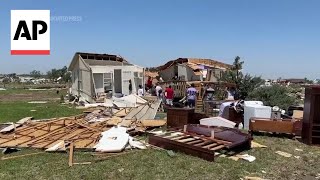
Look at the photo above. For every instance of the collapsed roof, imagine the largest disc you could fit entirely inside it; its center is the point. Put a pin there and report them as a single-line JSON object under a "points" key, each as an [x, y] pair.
{"points": [[103, 57], [93, 59], [193, 63]]}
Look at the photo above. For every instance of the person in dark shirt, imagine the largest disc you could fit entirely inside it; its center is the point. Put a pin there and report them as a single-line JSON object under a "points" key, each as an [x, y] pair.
{"points": [[130, 87]]}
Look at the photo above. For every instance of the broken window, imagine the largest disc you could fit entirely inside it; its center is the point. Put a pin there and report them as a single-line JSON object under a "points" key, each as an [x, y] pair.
{"points": [[135, 74]]}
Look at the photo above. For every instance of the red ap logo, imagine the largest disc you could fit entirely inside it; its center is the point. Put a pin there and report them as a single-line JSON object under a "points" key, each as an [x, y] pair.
{"points": [[30, 32]]}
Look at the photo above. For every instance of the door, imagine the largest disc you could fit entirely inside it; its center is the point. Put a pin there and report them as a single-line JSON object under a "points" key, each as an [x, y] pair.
{"points": [[98, 81], [117, 81]]}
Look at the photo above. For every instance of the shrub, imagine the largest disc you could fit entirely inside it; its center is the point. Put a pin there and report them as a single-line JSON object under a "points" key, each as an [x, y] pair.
{"points": [[275, 95]]}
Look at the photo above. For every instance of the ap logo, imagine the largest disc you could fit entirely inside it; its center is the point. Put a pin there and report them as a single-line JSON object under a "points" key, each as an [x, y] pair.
{"points": [[30, 32]]}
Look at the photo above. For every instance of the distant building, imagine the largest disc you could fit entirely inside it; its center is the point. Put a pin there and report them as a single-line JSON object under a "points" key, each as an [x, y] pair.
{"points": [[292, 81], [191, 69], [95, 74]]}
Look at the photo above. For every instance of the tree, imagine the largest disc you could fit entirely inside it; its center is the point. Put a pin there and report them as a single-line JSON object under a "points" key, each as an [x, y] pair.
{"points": [[35, 74], [275, 95], [307, 81], [5, 81], [244, 83], [249, 83], [54, 74], [237, 65]]}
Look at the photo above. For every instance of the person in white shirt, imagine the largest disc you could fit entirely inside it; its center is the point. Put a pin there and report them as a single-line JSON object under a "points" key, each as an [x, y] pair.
{"points": [[140, 91], [159, 91]]}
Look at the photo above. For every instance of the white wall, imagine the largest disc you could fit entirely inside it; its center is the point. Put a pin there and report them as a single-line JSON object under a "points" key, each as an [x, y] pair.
{"points": [[127, 73]]}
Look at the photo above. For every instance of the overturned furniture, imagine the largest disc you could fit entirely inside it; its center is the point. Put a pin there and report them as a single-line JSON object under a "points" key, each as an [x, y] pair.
{"points": [[201, 141], [286, 126], [177, 117], [311, 116]]}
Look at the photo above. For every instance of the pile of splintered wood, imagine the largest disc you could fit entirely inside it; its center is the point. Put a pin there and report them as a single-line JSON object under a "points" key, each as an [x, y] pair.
{"points": [[84, 131]]}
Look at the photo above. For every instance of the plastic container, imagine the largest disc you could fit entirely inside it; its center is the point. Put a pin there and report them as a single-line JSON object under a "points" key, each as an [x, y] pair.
{"points": [[255, 111]]}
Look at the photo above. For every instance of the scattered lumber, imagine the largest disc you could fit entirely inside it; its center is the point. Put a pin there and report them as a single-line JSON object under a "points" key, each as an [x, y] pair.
{"points": [[15, 125], [83, 130]]}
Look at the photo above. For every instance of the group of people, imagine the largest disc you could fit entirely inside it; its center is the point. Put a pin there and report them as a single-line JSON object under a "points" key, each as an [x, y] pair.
{"points": [[167, 95]]}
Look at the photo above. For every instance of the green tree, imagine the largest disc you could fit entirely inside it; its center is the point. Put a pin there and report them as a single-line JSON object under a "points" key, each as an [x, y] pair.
{"points": [[237, 66], [307, 81], [54, 74], [275, 95], [5, 81], [35, 74], [244, 83]]}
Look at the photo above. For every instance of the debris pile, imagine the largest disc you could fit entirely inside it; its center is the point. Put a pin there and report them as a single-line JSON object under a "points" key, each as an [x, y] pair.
{"points": [[90, 130]]}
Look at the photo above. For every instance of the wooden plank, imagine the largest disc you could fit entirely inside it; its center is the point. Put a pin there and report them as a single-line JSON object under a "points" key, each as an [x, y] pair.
{"points": [[153, 123], [186, 140], [15, 125], [141, 113], [71, 154], [134, 112], [217, 147], [210, 145], [204, 143], [195, 142], [269, 125], [181, 137], [152, 111]]}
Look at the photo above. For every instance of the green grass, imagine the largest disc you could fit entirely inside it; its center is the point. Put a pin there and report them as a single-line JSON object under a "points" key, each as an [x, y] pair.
{"points": [[14, 105], [14, 111], [157, 164], [151, 163]]}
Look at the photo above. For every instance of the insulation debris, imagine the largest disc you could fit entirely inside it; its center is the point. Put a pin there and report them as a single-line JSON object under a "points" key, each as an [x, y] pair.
{"points": [[113, 140]]}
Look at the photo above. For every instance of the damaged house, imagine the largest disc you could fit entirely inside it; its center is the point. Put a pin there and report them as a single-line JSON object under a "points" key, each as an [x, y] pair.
{"points": [[96, 74], [191, 69]]}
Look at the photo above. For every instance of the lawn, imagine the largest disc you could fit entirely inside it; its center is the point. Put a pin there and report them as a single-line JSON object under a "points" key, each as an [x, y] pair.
{"points": [[13, 111], [152, 163], [14, 104]]}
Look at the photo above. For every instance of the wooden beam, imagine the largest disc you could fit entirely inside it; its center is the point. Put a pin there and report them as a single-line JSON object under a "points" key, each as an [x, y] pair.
{"points": [[71, 154]]}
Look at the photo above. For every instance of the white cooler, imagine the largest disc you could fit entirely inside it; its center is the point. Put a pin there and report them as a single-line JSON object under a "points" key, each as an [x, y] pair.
{"points": [[255, 111]]}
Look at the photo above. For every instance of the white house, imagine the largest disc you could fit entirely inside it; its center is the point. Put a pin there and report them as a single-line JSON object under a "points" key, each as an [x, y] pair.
{"points": [[93, 74]]}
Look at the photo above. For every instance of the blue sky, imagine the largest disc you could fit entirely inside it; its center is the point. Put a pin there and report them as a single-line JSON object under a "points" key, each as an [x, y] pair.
{"points": [[274, 38]]}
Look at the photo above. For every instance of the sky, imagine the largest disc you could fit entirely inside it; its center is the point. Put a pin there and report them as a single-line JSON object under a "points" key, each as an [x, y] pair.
{"points": [[274, 38]]}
